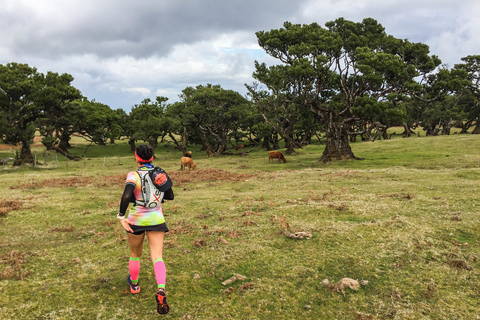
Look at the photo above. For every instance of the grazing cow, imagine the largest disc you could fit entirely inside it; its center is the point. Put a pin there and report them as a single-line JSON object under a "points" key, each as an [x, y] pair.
{"points": [[276, 154], [240, 146], [188, 154], [187, 162]]}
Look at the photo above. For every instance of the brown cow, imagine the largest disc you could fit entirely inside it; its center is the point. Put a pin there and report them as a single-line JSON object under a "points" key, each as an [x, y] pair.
{"points": [[187, 162], [276, 154], [240, 146], [188, 154]]}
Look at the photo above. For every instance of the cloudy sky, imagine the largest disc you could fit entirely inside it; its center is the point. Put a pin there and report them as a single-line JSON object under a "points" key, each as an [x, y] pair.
{"points": [[123, 51]]}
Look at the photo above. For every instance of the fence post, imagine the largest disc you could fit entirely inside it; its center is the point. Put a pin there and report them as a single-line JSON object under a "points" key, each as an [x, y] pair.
{"points": [[104, 161]]}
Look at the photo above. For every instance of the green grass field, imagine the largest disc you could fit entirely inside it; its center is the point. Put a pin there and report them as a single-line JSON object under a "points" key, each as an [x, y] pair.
{"points": [[405, 220]]}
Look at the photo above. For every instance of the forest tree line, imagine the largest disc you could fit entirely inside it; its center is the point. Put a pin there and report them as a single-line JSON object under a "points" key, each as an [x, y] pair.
{"points": [[337, 83]]}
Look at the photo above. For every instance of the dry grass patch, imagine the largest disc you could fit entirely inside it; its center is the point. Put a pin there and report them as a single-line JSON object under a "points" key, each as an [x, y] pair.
{"points": [[250, 213], [179, 178], [206, 215], [216, 231], [7, 205], [55, 183], [201, 242], [221, 240], [348, 174], [187, 228], [183, 177], [339, 207], [401, 196], [460, 264], [455, 261], [167, 244], [14, 261], [282, 221], [234, 234], [73, 182], [329, 195], [63, 229]]}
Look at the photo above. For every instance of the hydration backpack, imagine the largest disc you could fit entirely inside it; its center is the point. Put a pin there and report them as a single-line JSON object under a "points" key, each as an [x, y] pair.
{"points": [[154, 184]]}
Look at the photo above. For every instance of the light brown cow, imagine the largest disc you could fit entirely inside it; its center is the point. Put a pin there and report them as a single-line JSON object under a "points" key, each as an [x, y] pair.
{"points": [[188, 154], [240, 146], [187, 162], [276, 154]]}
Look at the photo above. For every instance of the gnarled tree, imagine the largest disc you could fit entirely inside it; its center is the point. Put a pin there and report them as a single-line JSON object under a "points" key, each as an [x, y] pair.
{"points": [[18, 109], [330, 68], [471, 65], [211, 115], [55, 101]]}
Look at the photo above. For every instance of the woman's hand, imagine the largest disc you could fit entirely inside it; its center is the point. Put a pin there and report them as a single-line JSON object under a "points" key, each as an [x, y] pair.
{"points": [[126, 225]]}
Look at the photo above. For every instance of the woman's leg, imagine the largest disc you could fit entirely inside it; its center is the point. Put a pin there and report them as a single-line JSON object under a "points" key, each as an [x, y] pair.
{"points": [[136, 248], [155, 241]]}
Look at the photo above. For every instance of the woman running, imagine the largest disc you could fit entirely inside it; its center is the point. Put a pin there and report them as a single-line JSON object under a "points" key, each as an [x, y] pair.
{"points": [[146, 217]]}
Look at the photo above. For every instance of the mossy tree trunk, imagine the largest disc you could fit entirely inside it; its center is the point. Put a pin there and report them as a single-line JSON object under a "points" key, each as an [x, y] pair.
{"points": [[337, 145]]}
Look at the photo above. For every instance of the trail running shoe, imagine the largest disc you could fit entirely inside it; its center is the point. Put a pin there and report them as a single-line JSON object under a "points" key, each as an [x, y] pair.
{"points": [[134, 288], [162, 304]]}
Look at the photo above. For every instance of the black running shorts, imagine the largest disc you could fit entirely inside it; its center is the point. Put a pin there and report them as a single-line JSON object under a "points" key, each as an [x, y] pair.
{"points": [[137, 230]]}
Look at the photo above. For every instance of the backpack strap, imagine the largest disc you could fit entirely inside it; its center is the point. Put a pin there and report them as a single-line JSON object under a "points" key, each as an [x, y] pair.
{"points": [[142, 185]]}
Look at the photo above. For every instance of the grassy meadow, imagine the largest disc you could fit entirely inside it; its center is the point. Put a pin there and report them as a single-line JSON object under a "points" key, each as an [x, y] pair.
{"points": [[404, 223]]}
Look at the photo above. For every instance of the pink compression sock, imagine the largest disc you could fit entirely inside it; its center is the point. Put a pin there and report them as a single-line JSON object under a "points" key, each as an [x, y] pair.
{"points": [[134, 266], [160, 272]]}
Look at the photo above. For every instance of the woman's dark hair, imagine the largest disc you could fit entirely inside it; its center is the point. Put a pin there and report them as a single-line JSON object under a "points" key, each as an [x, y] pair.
{"points": [[144, 152]]}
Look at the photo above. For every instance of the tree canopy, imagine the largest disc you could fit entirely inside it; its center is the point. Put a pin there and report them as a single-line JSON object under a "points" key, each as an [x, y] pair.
{"points": [[341, 80], [339, 72]]}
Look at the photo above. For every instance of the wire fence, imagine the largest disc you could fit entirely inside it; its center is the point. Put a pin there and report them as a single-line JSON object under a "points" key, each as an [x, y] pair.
{"points": [[52, 160]]}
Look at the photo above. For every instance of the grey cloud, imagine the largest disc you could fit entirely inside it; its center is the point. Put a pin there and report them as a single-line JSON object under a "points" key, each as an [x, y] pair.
{"points": [[112, 46], [138, 29]]}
